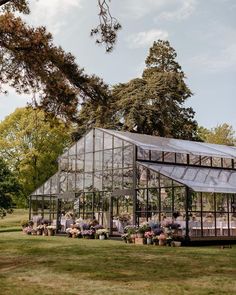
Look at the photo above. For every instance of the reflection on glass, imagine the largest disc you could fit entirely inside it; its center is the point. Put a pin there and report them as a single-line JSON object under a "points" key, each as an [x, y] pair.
{"points": [[156, 156], [142, 154], [117, 142], [80, 146], [128, 156], [98, 181], [88, 181], [117, 161], [181, 158], [194, 160], [169, 157], [117, 179], [128, 178]]}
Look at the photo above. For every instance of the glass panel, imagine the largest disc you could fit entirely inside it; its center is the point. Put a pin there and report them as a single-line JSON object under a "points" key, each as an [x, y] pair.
{"points": [[98, 160], [205, 161], [153, 199], [194, 160], [179, 199], [216, 162], [117, 179], [80, 146], [165, 181], [88, 181], [88, 162], [71, 182], [98, 140], [208, 202], [64, 164], [98, 180], [166, 199], [107, 141], [142, 154], [89, 142], [181, 158], [128, 178], [72, 150], [194, 225], [227, 163], [79, 182], [153, 179], [221, 203], [107, 179], [128, 156], [232, 203], [208, 224], [63, 182], [107, 159], [141, 205], [232, 224], [196, 202], [169, 157], [88, 202], [156, 156], [117, 142], [117, 162], [142, 175], [80, 163]]}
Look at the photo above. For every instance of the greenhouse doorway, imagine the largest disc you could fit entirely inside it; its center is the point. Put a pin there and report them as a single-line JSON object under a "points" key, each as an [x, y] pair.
{"points": [[121, 210]]}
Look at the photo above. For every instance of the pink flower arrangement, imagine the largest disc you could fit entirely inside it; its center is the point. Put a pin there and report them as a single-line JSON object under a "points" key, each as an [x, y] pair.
{"points": [[148, 234]]}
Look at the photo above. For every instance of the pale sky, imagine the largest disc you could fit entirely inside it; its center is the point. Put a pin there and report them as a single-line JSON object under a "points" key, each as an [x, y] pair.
{"points": [[203, 33]]}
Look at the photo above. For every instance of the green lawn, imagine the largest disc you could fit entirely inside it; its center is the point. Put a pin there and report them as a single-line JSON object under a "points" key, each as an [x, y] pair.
{"points": [[59, 265], [12, 221]]}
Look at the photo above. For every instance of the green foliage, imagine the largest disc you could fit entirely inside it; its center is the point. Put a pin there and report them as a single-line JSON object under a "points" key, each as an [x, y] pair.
{"points": [[9, 188], [31, 143], [154, 104], [221, 134]]}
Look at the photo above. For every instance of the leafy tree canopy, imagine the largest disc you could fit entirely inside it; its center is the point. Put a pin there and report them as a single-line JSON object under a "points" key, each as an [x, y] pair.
{"points": [[9, 189], [31, 144], [154, 103], [221, 134]]}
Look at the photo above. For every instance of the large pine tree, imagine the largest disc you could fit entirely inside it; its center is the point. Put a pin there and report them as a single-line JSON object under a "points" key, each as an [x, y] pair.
{"points": [[154, 103]]}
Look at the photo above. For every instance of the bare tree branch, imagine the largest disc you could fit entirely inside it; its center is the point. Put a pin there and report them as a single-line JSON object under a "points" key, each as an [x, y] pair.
{"points": [[106, 31]]}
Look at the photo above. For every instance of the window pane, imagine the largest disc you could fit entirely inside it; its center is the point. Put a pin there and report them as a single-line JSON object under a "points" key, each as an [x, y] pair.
{"points": [[181, 158], [117, 179], [156, 156], [98, 180], [107, 141], [128, 156], [206, 161], [88, 162], [80, 146], [107, 159], [128, 178], [98, 140], [142, 154], [117, 142], [194, 160], [107, 179], [98, 160], [169, 157], [89, 142], [88, 181], [117, 154]]}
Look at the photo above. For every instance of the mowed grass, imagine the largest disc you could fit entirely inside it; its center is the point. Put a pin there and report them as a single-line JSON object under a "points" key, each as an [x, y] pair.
{"points": [[12, 221], [59, 265]]}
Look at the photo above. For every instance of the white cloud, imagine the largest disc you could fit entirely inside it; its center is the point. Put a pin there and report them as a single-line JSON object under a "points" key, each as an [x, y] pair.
{"points": [[52, 13], [225, 60], [163, 9], [143, 39], [184, 11]]}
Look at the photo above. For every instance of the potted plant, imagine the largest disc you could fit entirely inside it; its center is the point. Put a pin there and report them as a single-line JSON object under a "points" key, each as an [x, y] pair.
{"points": [[51, 230], [141, 230], [148, 235], [162, 239], [102, 233]]}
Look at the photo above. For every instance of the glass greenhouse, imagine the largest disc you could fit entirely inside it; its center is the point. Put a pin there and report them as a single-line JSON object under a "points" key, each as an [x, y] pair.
{"points": [[108, 173]]}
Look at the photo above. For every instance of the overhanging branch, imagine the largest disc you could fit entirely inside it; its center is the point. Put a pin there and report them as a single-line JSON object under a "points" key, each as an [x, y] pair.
{"points": [[2, 2]]}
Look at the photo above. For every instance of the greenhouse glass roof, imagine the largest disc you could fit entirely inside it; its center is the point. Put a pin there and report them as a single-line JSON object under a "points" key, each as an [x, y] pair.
{"points": [[175, 145], [198, 179]]}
